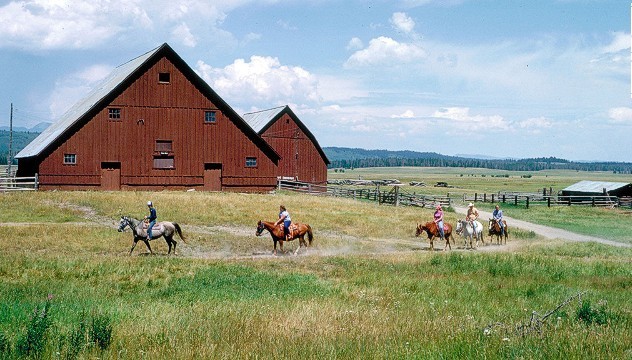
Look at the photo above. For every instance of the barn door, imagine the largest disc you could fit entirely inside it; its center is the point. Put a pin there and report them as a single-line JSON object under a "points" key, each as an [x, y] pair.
{"points": [[111, 175], [213, 177]]}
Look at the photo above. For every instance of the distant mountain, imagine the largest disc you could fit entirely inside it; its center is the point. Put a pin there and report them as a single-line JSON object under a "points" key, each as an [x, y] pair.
{"points": [[359, 158], [36, 129]]}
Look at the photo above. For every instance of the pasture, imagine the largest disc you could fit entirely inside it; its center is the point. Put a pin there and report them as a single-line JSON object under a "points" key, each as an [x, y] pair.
{"points": [[366, 289]]}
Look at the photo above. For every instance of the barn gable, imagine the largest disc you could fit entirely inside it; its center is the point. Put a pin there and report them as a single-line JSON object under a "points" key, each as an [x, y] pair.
{"points": [[302, 157], [153, 124]]}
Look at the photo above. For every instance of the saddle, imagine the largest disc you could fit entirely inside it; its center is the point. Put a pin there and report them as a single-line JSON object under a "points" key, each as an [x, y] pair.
{"points": [[157, 226], [293, 229]]}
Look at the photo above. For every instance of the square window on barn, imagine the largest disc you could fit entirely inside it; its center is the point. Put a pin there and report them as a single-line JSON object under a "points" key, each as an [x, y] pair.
{"points": [[164, 78], [114, 113], [70, 159], [164, 162], [164, 146], [251, 162], [209, 117]]}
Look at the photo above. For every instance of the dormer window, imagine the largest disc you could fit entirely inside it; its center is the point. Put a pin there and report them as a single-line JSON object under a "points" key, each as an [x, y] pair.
{"points": [[164, 78], [209, 117], [114, 113]]}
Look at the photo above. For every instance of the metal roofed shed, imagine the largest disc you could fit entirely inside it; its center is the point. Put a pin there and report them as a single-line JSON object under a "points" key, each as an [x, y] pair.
{"points": [[598, 188]]}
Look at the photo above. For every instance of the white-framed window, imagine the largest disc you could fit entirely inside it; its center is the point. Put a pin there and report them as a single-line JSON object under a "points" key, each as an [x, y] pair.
{"points": [[251, 161], [70, 159]]}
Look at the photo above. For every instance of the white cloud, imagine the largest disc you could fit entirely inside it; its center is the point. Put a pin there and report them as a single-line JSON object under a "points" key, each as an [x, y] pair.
{"points": [[620, 41], [408, 114], [384, 51], [41, 24], [402, 22], [620, 115], [262, 80], [464, 120], [72, 88], [183, 33], [355, 44]]}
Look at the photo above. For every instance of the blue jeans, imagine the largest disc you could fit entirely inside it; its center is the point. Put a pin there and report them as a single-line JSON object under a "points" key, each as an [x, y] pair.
{"points": [[151, 225], [286, 227], [440, 227]]}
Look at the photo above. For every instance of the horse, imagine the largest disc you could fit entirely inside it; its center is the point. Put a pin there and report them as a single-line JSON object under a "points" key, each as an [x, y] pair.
{"points": [[432, 231], [164, 229], [464, 229], [494, 229], [297, 230]]}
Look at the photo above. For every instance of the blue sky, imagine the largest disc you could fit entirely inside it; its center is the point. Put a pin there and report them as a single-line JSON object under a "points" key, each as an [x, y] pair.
{"points": [[498, 78]]}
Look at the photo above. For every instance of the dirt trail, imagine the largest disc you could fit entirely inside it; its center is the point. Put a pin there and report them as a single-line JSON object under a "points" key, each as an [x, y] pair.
{"points": [[545, 231]]}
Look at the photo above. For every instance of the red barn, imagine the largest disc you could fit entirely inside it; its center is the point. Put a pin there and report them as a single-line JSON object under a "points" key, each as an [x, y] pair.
{"points": [[152, 124], [301, 156]]}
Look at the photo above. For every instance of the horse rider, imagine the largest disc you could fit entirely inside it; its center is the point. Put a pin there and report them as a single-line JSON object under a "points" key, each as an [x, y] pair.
{"points": [[151, 217], [438, 220], [498, 216], [472, 216], [284, 217]]}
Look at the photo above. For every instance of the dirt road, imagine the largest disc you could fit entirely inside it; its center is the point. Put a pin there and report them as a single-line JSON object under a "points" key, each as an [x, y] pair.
{"points": [[545, 231]]}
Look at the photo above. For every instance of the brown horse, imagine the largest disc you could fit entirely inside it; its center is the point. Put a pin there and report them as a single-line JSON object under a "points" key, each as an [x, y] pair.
{"points": [[494, 229], [297, 230], [433, 231]]}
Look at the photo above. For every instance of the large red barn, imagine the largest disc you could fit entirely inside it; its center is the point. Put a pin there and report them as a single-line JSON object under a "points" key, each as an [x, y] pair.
{"points": [[302, 158], [152, 124]]}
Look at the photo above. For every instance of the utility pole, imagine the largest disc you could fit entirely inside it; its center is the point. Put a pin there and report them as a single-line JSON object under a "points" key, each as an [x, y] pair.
{"points": [[10, 156]]}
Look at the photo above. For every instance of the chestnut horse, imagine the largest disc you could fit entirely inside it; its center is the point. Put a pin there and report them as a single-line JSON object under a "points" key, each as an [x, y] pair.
{"points": [[297, 230], [494, 229], [431, 229]]}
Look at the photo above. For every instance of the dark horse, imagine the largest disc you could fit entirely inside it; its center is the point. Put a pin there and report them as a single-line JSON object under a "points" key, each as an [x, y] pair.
{"points": [[433, 231], [162, 229], [494, 229], [297, 230]]}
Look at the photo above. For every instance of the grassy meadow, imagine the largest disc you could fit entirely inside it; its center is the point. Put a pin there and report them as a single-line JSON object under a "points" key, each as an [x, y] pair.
{"points": [[366, 289]]}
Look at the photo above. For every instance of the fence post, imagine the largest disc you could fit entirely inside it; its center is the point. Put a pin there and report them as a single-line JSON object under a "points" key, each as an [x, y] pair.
{"points": [[504, 200], [516, 200], [592, 201], [475, 196], [527, 202], [396, 195], [36, 181], [484, 197], [493, 197], [548, 201]]}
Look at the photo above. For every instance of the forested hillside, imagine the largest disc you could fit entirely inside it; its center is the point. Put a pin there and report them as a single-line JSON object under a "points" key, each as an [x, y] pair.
{"points": [[20, 140], [358, 158]]}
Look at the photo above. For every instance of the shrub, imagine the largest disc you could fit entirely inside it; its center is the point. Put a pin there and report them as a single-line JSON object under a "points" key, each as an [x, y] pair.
{"points": [[34, 341], [593, 315], [101, 331]]}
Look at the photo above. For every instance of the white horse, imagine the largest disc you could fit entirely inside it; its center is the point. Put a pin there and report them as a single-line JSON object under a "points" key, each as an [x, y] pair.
{"points": [[464, 229]]}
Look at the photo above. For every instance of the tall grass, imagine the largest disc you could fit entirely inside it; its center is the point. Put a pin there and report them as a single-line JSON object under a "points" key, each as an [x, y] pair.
{"points": [[367, 289]]}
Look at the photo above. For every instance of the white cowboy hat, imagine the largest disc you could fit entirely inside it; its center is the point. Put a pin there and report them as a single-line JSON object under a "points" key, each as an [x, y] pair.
{"points": [[470, 204], [149, 203]]}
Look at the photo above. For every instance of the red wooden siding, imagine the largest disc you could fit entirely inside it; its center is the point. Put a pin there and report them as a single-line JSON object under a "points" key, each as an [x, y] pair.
{"points": [[150, 112], [299, 157]]}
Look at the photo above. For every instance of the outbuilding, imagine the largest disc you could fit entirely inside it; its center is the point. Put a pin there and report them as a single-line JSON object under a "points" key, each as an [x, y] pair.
{"points": [[302, 158], [152, 124], [598, 188]]}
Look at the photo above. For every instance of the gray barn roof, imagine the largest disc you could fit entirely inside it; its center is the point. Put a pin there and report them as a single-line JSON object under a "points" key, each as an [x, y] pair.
{"points": [[100, 91], [259, 119], [587, 186]]}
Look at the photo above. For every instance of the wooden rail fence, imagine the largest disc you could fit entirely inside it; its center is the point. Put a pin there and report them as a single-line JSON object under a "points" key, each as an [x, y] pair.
{"points": [[8, 181], [393, 196]]}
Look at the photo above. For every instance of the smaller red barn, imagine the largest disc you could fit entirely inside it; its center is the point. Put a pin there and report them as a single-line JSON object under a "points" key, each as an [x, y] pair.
{"points": [[302, 158]]}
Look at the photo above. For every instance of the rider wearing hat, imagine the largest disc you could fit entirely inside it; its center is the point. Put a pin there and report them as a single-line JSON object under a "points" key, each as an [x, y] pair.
{"points": [[498, 216], [438, 220], [472, 215], [152, 218]]}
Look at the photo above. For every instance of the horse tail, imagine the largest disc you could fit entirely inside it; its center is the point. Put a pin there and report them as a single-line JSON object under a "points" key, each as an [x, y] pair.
{"points": [[179, 231], [310, 235]]}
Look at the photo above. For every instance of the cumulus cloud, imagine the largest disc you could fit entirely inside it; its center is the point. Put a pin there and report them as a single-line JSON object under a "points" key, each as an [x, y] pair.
{"points": [[183, 33], [620, 41], [408, 114], [355, 44], [384, 51], [461, 117], [620, 115], [74, 87], [262, 79], [402, 22]]}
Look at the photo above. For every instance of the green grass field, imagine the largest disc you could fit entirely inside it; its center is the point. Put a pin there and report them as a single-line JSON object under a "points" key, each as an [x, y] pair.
{"points": [[366, 289]]}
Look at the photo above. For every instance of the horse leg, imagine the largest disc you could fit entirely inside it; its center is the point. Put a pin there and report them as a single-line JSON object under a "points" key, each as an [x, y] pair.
{"points": [[133, 246], [148, 247], [274, 252]]}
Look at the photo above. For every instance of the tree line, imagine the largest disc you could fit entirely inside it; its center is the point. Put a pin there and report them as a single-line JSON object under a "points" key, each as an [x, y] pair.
{"points": [[348, 158]]}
